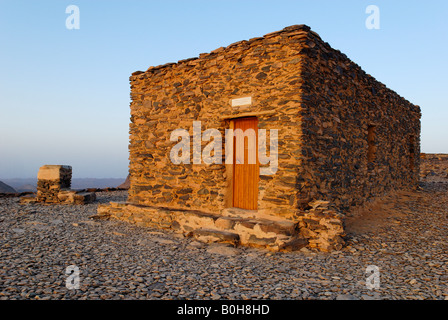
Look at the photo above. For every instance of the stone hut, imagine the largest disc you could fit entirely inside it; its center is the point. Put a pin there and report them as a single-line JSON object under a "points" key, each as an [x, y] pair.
{"points": [[329, 137]]}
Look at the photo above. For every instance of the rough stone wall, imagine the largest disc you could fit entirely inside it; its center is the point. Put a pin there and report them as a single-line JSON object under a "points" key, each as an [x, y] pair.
{"points": [[322, 226], [172, 96], [340, 104]]}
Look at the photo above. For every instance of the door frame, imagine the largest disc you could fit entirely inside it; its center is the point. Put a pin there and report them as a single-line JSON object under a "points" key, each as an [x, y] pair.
{"points": [[230, 168]]}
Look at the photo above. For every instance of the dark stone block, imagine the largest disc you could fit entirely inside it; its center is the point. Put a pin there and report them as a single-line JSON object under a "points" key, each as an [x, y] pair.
{"points": [[295, 244], [185, 191], [261, 76], [277, 228], [261, 241]]}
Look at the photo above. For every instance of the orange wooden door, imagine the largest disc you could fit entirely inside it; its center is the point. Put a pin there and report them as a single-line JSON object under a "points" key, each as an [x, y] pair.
{"points": [[245, 164]]}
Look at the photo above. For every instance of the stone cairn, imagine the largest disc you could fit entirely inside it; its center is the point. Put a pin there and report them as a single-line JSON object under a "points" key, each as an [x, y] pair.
{"points": [[53, 187], [51, 179]]}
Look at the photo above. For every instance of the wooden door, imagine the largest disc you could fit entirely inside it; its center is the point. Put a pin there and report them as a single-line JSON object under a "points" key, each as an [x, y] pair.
{"points": [[245, 164]]}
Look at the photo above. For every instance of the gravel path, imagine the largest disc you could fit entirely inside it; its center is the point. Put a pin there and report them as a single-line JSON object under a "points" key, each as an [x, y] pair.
{"points": [[122, 261]]}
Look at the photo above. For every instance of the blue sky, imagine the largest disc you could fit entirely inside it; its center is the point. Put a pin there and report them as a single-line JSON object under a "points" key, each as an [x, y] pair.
{"points": [[64, 94]]}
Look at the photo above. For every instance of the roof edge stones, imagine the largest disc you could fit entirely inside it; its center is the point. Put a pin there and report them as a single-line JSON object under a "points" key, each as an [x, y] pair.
{"points": [[291, 29]]}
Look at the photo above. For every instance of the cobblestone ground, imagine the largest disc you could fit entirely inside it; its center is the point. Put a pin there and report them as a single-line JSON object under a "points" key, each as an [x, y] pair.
{"points": [[405, 237]]}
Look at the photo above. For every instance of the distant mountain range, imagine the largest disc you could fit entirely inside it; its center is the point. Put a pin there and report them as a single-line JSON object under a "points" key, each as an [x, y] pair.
{"points": [[30, 184], [4, 188]]}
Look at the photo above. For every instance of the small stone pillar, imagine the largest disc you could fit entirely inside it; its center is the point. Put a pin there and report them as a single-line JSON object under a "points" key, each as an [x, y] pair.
{"points": [[51, 179], [53, 186]]}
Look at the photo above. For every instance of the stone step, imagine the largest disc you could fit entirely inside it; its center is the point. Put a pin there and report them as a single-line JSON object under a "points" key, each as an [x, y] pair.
{"points": [[227, 222], [238, 212], [219, 236], [269, 223], [252, 231], [238, 228], [214, 235]]}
